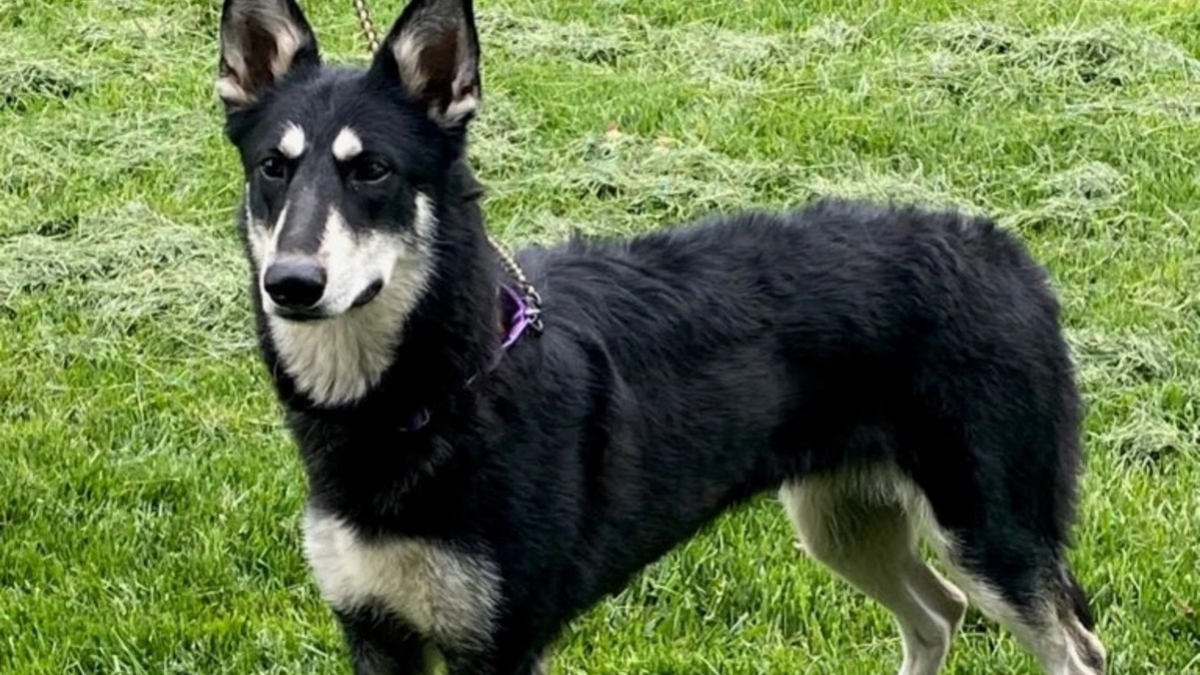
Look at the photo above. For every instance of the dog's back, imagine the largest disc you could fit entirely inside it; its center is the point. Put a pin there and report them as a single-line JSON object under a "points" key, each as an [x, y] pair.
{"points": [[888, 366]]}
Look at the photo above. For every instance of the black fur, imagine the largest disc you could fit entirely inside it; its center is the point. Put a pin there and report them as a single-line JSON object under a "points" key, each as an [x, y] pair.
{"points": [[681, 373]]}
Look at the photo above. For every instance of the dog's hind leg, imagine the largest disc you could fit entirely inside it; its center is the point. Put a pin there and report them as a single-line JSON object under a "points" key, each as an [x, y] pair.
{"points": [[858, 526], [1030, 591], [1001, 515]]}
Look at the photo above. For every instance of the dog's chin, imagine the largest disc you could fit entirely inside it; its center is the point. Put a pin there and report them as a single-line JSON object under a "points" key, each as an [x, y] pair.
{"points": [[323, 312]]}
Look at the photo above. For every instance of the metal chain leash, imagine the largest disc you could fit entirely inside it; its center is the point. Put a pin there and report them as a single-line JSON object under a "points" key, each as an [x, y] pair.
{"points": [[510, 264], [368, 28]]}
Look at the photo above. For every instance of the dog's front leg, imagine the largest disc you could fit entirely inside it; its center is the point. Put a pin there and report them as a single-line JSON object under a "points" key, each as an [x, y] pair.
{"points": [[381, 646]]}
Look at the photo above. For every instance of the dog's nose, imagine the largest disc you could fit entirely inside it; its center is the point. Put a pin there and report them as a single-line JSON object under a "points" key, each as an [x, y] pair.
{"points": [[295, 284]]}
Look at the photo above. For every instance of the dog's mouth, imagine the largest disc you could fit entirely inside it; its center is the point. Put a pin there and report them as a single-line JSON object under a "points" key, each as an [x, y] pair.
{"points": [[300, 315], [368, 295], [323, 311]]}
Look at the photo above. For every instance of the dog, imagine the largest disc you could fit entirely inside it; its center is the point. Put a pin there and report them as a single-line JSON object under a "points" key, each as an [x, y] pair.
{"points": [[479, 474]]}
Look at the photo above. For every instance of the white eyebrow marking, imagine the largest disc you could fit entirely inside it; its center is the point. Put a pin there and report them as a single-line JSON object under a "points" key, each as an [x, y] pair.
{"points": [[347, 145], [293, 141]]}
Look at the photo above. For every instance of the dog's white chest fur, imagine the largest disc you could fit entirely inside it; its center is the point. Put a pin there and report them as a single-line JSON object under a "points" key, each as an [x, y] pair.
{"points": [[443, 594]]}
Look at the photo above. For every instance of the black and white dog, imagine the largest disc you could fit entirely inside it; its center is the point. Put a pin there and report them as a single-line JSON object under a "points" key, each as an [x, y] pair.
{"points": [[472, 489]]}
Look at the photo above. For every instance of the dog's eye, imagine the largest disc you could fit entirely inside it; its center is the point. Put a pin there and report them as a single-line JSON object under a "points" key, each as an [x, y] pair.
{"points": [[273, 167], [370, 172]]}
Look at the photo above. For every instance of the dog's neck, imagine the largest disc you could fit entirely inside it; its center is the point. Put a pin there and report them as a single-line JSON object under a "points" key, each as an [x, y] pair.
{"points": [[451, 335]]}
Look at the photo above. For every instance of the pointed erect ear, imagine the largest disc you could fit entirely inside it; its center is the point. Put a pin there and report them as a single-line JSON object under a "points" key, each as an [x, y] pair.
{"points": [[261, 42], [433, 50]]}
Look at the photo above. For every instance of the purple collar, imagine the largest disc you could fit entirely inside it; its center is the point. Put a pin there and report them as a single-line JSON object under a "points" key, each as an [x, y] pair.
{"points": [[526, 314]]}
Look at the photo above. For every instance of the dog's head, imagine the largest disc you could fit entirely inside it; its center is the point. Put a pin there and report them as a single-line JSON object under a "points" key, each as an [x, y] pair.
{"points": [[340, 165], [347, 175]]}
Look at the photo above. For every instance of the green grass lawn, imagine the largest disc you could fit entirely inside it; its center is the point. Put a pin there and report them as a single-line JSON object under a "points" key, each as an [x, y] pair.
{"points": [[150, 500]]}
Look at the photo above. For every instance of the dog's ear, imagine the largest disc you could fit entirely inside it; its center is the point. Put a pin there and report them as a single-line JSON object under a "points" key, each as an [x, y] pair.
{"points": [[261, 42], [433, 50]]}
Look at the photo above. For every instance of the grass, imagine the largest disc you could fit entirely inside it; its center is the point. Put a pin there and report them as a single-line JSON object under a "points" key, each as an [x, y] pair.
{"points": [[150, 501]]}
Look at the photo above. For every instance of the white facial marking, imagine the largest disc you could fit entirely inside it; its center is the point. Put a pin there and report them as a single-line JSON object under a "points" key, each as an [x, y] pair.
{"points": [[293, 142], [338, 360], [347, 145], [263, 239], [256, 231], [445, 594], [425, 220], [264, 242]]}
